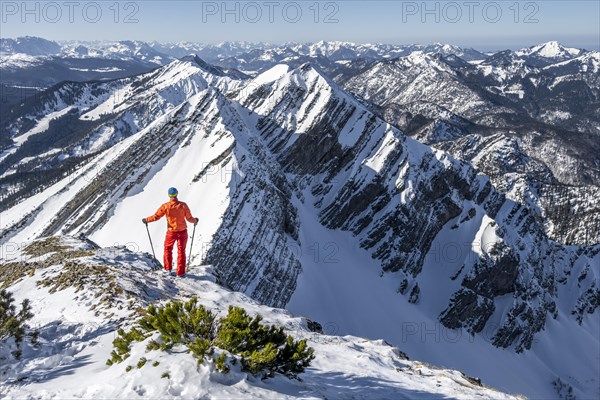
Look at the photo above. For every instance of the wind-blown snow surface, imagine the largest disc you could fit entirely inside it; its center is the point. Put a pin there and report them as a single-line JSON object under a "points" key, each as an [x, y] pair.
{"points": [[77, 326], [270, 164]]}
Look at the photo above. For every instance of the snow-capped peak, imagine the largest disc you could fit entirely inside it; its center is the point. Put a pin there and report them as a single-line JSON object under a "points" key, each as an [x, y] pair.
{"points": [[281, 79], [193, 59], [197, 63], [588, 62], [422, 59], [551, 49], [271, 74]]}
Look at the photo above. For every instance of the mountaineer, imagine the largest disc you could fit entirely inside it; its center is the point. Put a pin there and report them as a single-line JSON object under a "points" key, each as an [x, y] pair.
{"points": [[177, 213]]}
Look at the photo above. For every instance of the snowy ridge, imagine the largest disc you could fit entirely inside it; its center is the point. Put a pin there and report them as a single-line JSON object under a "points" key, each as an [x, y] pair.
{"points": [[419, 77], [19, 60], [107, 112], [28, 45], [160, 53], [84, 324]]}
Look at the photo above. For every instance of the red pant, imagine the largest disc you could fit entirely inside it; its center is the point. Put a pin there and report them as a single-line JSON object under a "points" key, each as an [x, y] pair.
{"points": [[181, 238]]}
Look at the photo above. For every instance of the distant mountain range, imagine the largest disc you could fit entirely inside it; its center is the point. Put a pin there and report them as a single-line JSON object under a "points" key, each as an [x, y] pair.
{"points": [[510, 113], [28, 52]]}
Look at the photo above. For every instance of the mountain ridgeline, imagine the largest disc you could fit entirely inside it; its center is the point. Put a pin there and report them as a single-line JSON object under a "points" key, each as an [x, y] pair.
{"points": [[395, 158]]}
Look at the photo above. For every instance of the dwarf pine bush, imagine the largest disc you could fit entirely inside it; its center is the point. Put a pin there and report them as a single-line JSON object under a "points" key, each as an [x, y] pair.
{"points": [[220, 363], [13, 324], [263, 349], [180, 323], [122, 344], [201, 348]]}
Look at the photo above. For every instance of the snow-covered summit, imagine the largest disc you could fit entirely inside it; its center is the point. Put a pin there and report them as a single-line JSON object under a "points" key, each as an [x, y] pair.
{"points": [[586, 63], [551, 49], [548, 53]]}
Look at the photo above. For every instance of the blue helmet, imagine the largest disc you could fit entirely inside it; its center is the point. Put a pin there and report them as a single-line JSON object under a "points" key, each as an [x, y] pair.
{"points": [[173, 192]]}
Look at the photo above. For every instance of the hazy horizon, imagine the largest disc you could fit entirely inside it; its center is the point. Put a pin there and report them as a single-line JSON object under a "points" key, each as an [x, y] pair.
{"points": [[283, 43], [484, 25]]}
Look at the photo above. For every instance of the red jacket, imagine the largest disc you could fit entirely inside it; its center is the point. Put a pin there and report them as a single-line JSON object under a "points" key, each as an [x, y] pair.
{"points": [[177, 212]]}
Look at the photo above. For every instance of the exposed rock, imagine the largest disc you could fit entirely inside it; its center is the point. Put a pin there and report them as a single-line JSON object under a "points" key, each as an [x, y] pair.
{"points": [[414, 295], [467, 310], [496, 275], [314, 326]]}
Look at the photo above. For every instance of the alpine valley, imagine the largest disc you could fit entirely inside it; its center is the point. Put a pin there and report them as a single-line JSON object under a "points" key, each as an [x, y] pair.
{"points": [[439, 202]]}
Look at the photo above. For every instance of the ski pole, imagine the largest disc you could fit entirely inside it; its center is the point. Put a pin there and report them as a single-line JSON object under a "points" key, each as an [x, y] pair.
{"points": [[151, 245], [191, 245]]}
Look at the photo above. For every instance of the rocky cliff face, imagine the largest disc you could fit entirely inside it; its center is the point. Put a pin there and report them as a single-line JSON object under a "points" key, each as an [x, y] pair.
{"points": [[522, 125], [396, 195], [252, 250]]}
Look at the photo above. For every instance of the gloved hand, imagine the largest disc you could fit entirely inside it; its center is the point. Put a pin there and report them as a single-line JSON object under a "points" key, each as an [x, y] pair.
{"points": [[196, 221], [144, 221]]}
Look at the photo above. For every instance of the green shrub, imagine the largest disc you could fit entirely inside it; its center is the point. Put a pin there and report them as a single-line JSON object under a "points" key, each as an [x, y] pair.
{"points": [[142, 362], [122, 344], [188, 323], [153, 345], [293, 357], [201, 348], [263, 358], [239, 333], [13, 324], [180, 323], [220, 363], [263, 349]]}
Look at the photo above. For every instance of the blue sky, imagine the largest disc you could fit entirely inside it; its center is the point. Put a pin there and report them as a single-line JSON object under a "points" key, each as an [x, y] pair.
{"points": [[488, 25]]}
